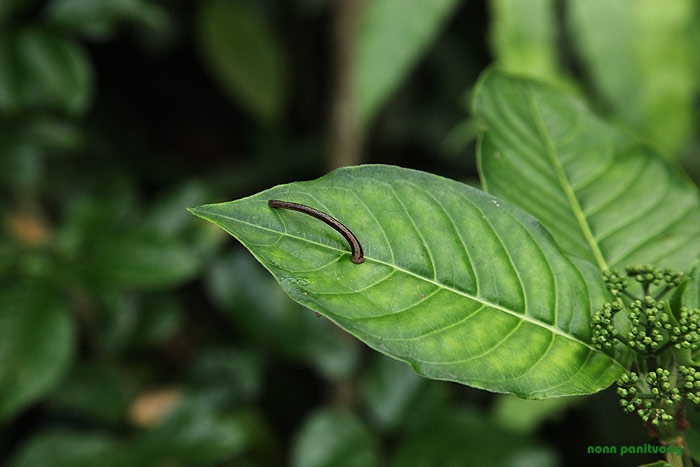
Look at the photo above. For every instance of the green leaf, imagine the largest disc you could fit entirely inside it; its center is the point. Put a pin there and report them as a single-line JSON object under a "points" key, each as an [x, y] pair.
{"points": [[36, 344], [391, 389], [92, 392], [392, 35], [459, 284], [61, 448], [642, 56], [10, 73], [140, 258], [42, 69], [525, 416], [261, 311], [692, 434], [99, 19], [691, 297], [332, 437], [604, 197], [233, 373], [459, 437], [199, 433], [524, 37], [244, 56]]}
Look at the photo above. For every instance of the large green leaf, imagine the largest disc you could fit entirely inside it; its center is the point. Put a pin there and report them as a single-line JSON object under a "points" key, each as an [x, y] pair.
{"points": [[459, 284], [36, 344], [642, 56], [604, 196]]}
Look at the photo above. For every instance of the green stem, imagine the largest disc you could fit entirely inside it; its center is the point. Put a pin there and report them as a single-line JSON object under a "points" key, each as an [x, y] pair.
{"points": [[629, 295], [663, 348], [624, 340], [661, 294], [685, 459], [672, 434]]}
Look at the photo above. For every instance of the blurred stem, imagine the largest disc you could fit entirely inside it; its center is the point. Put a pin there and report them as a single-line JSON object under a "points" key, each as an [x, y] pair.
{"points": [[685, 459], [346, 132]]}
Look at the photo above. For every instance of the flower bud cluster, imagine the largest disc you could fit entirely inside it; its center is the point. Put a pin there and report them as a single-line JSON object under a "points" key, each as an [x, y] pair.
{"points": [[685, 335], [649, 398], [615, 282], [649, 319], [648, 275], [690, 383], [654, 396], [653, 327], [603, 324]]}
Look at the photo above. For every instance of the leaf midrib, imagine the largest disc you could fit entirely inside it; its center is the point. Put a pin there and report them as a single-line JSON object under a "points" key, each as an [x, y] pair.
{"points": [[524, 317], [564, 183]]}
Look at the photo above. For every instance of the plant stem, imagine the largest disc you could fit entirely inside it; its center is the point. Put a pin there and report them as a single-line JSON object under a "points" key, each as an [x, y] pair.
{"points": [[346, 132], [685, 459], [661, 294], [629, 295]]}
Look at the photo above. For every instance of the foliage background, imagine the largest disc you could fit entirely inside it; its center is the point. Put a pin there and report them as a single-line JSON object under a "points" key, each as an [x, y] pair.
{"points": [[132, 333]]}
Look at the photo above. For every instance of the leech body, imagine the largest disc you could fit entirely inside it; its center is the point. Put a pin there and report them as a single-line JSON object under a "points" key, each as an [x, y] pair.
{"points": [[357, 256]]}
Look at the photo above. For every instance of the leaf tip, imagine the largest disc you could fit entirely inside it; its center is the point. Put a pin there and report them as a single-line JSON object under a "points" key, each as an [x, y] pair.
{"points": [[193, 210], [198, 211]]}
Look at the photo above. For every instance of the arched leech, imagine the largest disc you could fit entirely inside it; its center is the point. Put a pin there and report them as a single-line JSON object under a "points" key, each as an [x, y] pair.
{"points": [[357, 256]]}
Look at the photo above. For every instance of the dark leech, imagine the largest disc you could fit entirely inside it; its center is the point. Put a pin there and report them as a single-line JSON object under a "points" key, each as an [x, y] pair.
{"points": [[357, 256]]}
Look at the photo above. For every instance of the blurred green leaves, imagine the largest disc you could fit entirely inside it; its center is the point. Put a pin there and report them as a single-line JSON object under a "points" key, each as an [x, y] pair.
{"points": [[43, 70], [63, 448], [141, 259], [44, 67], [47, 81], [193, 433], [643, 58], [91, 392], [70, 275], [639, 58], [251, 300], [130, 336], [100, 19], [460, 434]]}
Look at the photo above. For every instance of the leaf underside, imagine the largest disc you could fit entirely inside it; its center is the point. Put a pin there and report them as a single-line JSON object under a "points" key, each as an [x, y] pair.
{"points": [[458, 284]]}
